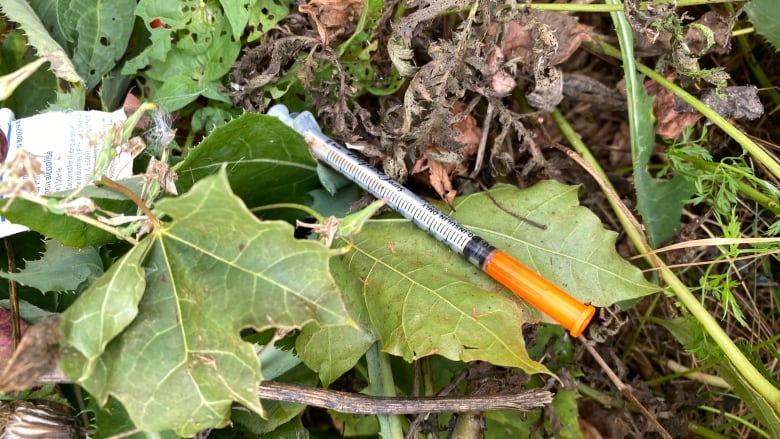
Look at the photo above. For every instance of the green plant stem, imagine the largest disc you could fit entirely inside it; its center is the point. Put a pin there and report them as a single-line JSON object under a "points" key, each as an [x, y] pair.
{"points": [[109, 183], [746, 189], [748, 145], [704, 432], [380, 376], [568, 7], [735, 418], [743, 31], [605, 399], [361, 25], [37, 199], [738, 360]]}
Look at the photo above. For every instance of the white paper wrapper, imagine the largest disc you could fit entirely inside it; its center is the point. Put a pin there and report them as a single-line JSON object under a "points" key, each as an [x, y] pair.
{"points": [[67, 145]]}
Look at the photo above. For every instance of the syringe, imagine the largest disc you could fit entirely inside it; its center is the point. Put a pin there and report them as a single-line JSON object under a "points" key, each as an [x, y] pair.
{"points": [[518, 278]]}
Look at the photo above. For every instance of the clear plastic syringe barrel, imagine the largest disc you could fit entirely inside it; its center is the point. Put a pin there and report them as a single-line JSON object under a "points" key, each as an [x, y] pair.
{"points": [[400, 199]]}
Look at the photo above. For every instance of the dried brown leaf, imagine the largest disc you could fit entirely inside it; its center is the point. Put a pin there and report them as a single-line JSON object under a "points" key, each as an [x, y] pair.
{"points": [[520, 39], [246, 82], [669, 122], [332, 18], [400, 46], [542, 41], [738, 102], [441, 164], [501, 82], [468, 133], [720, 27], [34, 359]]}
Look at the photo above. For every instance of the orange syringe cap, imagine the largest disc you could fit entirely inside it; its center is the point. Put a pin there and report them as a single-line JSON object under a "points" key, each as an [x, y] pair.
{"points": [[539, 292]]}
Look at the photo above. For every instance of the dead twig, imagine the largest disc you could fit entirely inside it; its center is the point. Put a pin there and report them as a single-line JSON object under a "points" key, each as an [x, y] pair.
{"points": [[483, 141], [412, 432], [624, 389], [13, 296], [345, 402], [498, 204]]}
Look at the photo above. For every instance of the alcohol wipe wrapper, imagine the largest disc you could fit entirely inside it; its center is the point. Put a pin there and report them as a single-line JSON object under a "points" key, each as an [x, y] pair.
{"points": [[67, 146]]}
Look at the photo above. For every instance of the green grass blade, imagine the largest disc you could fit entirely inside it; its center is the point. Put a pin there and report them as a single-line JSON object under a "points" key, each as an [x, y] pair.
{"points": [[659, 203]]}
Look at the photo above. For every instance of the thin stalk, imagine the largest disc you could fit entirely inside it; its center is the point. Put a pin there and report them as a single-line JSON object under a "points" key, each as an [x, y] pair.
{"points": [[13, 296], [743, 366], [361, 25], [382, 384], [736, 419], [746, 189], [704, 432], [111, 184], [743, 31], [37, 199], [568, 7], [693, 374]]}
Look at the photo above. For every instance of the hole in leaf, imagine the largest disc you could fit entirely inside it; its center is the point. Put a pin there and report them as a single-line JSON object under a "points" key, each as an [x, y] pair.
{"points": [[104, 41]]}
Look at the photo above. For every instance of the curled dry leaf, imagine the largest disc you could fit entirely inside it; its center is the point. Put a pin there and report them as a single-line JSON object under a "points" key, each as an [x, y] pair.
{"points": [[519, 38], [332, 17], [501, 82], [160, 172], [738, 102], [399, 46], [440, 164], [34, 359], [674, 116], [77, 206], [670, 122], [544, 41], [247, 84], [710, 34]]}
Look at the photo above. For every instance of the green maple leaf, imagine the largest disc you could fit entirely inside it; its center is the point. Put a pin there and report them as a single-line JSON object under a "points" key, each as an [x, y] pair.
{"points": [[420, 298], [161, 330]]}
